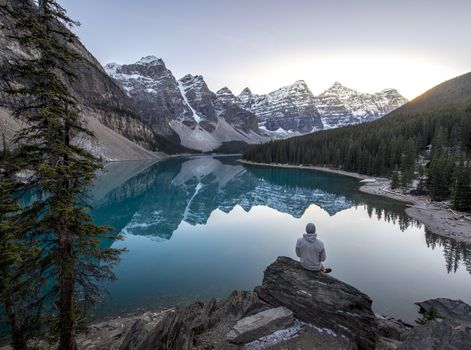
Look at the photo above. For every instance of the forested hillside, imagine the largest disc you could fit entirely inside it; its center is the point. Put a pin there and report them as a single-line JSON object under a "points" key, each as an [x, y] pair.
{"points": [[429, 139]]}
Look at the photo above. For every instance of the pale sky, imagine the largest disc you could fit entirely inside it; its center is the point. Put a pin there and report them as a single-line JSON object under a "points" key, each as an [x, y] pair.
{"points": [[368, 45]]}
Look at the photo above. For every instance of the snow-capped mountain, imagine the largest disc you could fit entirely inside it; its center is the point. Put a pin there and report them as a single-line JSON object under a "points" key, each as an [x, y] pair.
{"points": [[290, 109], [294, 109], [340, 106], [185, 111], [188, 113]]}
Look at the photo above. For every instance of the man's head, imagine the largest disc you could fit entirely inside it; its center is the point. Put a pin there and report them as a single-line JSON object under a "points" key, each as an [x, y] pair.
{"points": [[310, 228]]}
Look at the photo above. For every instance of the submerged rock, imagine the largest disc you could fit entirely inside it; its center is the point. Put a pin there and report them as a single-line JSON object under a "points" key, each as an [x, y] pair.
{"points": [[259, 325], [321, 300]]}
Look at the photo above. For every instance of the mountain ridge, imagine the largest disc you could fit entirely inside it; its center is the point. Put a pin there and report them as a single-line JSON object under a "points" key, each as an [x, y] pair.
{"points": [[186, 111]]}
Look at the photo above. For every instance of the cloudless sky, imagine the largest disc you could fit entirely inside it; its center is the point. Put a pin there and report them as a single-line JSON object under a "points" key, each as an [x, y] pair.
{"points": [[368, 45]]}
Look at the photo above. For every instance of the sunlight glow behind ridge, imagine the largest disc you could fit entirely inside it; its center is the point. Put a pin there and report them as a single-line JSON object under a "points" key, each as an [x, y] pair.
{"points": [[364, 72]]}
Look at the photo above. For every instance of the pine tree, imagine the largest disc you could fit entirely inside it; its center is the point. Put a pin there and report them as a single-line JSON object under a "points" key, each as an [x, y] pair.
{"points": [[462, 187], [71, 258], [395, 180]]}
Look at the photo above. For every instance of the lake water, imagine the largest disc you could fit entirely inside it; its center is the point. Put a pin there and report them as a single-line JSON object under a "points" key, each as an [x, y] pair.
{"points": [[201, 227]]}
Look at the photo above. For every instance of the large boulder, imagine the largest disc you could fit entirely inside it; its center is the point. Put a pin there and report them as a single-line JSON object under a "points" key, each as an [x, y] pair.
{"points": [[449, 328], [320, 299], [438, 335], [448, 309]]}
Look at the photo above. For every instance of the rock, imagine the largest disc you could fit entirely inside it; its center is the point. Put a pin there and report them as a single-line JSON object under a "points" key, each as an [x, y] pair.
{"points": [[438, 335], [448, 309], [451, 329], [383, 343], [391, 328], [136, 335], [175, 331], [181, 329], [237, 305], [259, 325], [320, 299]]}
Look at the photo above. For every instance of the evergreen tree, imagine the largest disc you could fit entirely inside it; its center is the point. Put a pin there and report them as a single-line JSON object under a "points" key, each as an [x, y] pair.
{"points": [[395, 181], [462, 187], [71, 259]]}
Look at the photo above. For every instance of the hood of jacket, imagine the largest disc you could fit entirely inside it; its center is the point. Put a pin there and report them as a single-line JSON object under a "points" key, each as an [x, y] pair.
{"points": [[310, 237]]}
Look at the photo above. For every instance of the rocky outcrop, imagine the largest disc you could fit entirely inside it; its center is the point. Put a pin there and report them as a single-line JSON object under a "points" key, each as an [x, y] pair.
{"points": [[328, 314], [322, 306], [320, 299], [99, 96], [448, 309], [194, 325], [438, 335], [449, 326]]}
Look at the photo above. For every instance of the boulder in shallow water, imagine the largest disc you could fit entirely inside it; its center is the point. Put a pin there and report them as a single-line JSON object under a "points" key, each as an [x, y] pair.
{"points": [[259, 325], [320, 299]]}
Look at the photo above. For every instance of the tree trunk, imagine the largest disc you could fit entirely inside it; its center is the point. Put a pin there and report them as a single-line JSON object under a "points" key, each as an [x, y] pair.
{"points": [[66, 297], [18, 339], [67, 277]]}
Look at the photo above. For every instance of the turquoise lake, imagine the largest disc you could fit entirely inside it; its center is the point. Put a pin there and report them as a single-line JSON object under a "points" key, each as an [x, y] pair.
{"points": [[200, 227]]}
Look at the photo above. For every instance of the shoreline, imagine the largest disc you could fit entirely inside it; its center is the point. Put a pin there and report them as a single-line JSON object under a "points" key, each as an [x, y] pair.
{"points": [[435, 216]]}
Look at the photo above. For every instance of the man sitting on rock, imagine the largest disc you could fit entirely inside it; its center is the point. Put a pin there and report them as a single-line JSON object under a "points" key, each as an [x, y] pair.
{"points": [[311, 250]]}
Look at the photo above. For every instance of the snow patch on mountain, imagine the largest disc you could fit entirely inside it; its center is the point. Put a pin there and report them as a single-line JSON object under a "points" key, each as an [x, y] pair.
{"points": [[195, 115]]}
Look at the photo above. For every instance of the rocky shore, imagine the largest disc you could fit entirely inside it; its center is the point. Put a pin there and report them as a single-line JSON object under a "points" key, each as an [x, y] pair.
{"points": [[437, 217], [293, 309]]}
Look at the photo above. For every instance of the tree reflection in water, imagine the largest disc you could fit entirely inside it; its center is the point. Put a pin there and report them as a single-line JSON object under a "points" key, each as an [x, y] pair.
{"points": [[454, 252]]}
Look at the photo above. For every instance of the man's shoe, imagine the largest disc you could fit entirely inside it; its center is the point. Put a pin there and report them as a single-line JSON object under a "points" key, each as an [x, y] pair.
{"points": [[328, 270]]}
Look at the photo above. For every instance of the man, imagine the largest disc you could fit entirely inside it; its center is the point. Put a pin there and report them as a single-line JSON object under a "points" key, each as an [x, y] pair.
{"points": [[311, 250]]}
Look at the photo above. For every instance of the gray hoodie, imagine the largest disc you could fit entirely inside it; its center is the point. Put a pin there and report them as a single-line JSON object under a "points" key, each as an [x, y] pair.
{"points": [[311, 251]]}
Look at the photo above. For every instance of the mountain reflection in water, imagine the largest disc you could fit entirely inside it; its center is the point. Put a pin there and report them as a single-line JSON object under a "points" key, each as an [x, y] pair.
{"points": [[160, 196]]}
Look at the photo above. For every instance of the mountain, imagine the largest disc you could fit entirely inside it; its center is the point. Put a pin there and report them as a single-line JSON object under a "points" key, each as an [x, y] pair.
{"points": [[341, 106], [185, 111], [295, 110], [430, 135], [290, 109], [107, 110]]}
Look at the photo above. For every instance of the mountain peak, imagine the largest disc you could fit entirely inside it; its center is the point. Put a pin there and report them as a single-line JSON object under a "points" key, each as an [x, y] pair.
{"points": [[390, 90], [149, 60], [246, 91], [338, 86], [224, 91], [300, 83], [191, 77]]}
